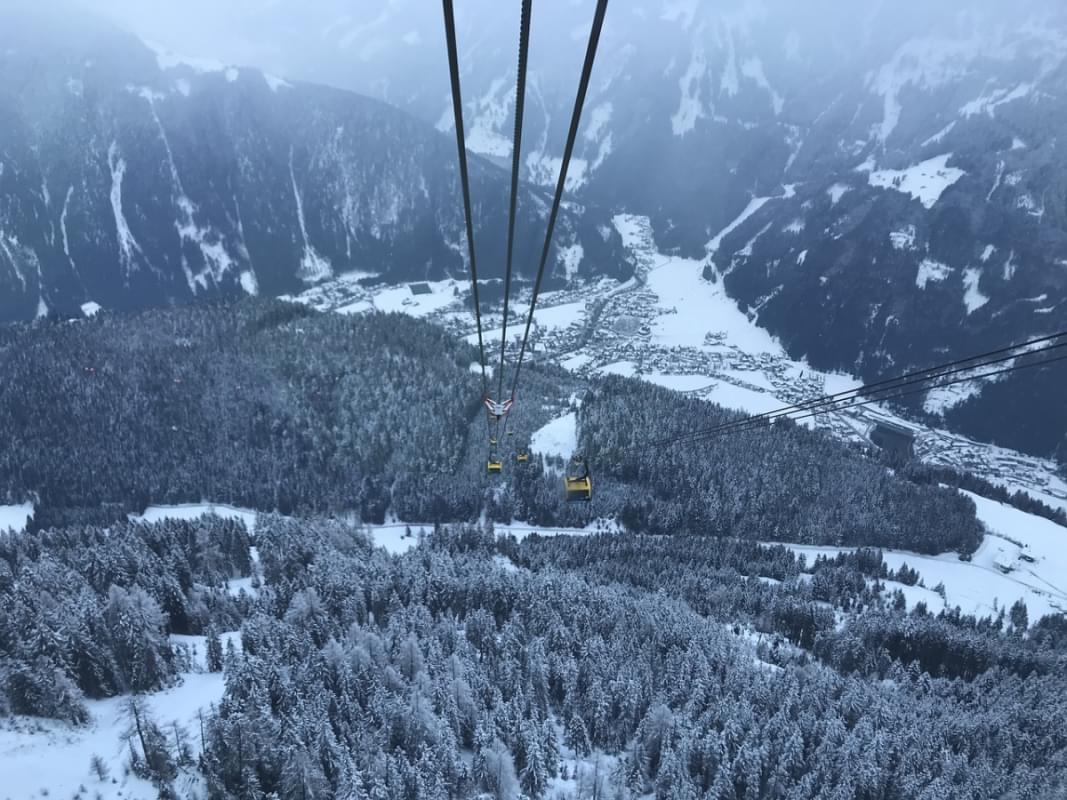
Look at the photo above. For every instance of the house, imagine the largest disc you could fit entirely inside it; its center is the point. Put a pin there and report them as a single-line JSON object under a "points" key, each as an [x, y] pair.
{"points": [[893, 438], [1004, 562]]}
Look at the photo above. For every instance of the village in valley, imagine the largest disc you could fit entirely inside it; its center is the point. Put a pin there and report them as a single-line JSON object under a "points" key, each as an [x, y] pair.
{"points": [[644, 328]]}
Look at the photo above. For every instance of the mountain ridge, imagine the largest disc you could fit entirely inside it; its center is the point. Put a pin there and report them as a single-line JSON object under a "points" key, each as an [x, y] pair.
{"points": [[133, 177]]}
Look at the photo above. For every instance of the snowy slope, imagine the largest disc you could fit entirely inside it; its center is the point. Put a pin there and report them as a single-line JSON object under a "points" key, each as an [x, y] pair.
{"points": [[392, 536], [979, 586], [44, 758], [188, 511], [940, 124], [14, 517], [558, 438], [122, 208]]}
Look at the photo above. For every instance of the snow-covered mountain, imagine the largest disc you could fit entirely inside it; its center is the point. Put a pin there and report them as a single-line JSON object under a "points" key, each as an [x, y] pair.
{"points": [[131, 176], [881, 185]]}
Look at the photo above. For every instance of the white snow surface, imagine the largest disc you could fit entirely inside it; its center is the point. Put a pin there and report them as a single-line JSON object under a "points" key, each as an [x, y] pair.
{"points": [[45, 758], [14, 517], [393, 536], [692, 307], [945, 398], [235, 586], [624, 368], [544, 170], [752, 68], [559, 316], [680, 383], [490, 117], [691, 106], [558, 438], [249, 282], [728, 395], [978, 586], [401, 298], [572, 259], [128, 245], [972, 296], [754, 205], [988, 103], [599, 117], [940, 135], [837, 191], [167, 60], [546, 318], [576, 362], [930, 270], [725, 394], [926, 182], [190, 511], [313, 266], [275, 83], [904, 239]]}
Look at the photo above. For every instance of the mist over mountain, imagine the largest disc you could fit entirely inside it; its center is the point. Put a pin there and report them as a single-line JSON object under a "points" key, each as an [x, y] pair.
{"points": [[881, 185], [131, 176], [259, 539]]}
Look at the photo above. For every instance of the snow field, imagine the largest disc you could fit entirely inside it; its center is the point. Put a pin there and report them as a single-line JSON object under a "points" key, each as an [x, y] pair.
{"points": [[558, 438], [979, 586], [46, 758], [14, 517], [728, 395], [393, 535], [692, 307], [625, 368], [400, 298], [754, 205], [188, 511], [680, 383], [926, 182], [546, 318], [931, 270]]}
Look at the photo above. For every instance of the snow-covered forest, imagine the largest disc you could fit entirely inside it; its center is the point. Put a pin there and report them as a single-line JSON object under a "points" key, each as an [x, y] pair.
{"points": [[607, 666], [677, 657], [276, 407]]}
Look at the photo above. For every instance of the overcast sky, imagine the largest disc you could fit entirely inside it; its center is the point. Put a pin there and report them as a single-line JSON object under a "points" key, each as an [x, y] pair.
{"points": [[222, 29], [371, 45]]}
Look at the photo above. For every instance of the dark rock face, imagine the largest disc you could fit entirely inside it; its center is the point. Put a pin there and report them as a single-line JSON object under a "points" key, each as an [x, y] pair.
{"points": [[130, 178]]}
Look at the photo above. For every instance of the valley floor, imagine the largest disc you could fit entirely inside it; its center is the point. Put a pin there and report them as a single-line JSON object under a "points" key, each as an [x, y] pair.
{"points": [[671, 326]]}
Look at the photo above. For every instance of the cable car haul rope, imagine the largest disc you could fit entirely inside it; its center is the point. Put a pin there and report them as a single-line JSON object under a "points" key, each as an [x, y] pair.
{"points": [[499, 409], [577, 481]]}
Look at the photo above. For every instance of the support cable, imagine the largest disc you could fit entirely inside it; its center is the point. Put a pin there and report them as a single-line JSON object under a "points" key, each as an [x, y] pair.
{"points": [[457, 109], [579, 102], [516, 155], [932, 378]]}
